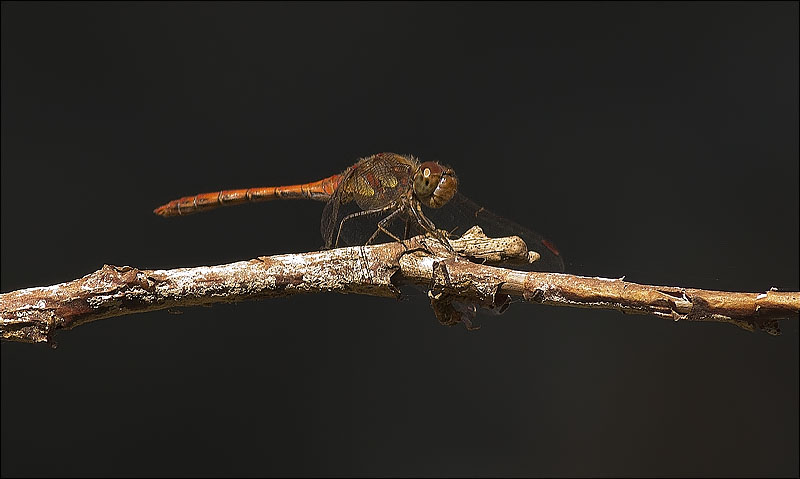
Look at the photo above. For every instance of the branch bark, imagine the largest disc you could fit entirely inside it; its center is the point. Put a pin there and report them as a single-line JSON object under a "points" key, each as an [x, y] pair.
{"points": [[457, 285]]}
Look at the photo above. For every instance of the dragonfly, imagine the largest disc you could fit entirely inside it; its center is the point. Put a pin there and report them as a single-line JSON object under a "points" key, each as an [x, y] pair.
{"points": [[385, 196]]}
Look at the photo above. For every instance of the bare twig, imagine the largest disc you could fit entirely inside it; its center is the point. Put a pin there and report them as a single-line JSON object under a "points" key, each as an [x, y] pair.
{"points": [[456, 284]]}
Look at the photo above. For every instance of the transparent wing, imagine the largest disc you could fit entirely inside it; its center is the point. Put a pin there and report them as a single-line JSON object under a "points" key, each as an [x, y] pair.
{"points": [[461, 213]]}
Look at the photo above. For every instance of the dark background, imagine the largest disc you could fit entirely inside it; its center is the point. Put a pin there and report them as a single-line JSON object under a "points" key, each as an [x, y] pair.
{"points": [[655, 141]]}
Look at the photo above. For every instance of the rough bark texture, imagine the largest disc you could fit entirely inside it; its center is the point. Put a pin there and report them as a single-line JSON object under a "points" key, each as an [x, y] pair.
{"points": [[457, 284]]}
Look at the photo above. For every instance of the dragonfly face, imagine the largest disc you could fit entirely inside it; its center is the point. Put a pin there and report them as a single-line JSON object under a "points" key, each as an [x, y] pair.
{"points": [[434, 184]]}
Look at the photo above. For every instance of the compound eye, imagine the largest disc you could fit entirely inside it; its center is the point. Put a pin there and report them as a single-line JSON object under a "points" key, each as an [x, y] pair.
{"points": [[427, 179], [434, 184]]}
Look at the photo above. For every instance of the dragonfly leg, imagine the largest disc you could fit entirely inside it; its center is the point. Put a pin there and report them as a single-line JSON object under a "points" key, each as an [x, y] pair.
{"points": [[431, 228], [382, 226], [356, 215]]}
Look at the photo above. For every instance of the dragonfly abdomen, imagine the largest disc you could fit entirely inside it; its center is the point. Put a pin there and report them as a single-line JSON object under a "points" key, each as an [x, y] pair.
{"points": [[319, 190]]}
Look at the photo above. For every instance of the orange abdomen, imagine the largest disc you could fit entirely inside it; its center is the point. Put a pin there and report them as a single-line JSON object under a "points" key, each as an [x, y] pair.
{"points": [[319, 190]]}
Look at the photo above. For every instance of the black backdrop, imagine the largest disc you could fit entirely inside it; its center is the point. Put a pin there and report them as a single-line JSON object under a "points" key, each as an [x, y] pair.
{"points": [[655, 141]]}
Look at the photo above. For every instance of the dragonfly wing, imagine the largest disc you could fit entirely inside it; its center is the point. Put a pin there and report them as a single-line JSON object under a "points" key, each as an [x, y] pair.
{"points": [[461, 213], [335, 207]]}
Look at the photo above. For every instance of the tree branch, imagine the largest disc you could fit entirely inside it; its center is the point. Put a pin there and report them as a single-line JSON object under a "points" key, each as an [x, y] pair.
{"points": [[457, 284]]}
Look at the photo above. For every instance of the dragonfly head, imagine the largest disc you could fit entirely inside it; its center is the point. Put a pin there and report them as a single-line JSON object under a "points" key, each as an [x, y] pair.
{"points": [[434, 184]]}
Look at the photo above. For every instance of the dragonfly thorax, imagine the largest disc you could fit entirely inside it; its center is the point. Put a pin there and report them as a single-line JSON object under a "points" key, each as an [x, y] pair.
{"points": [[434, 184]]}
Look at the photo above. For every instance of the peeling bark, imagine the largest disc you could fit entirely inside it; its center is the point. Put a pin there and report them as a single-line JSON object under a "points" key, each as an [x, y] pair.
{"points": [[457, 284]]}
